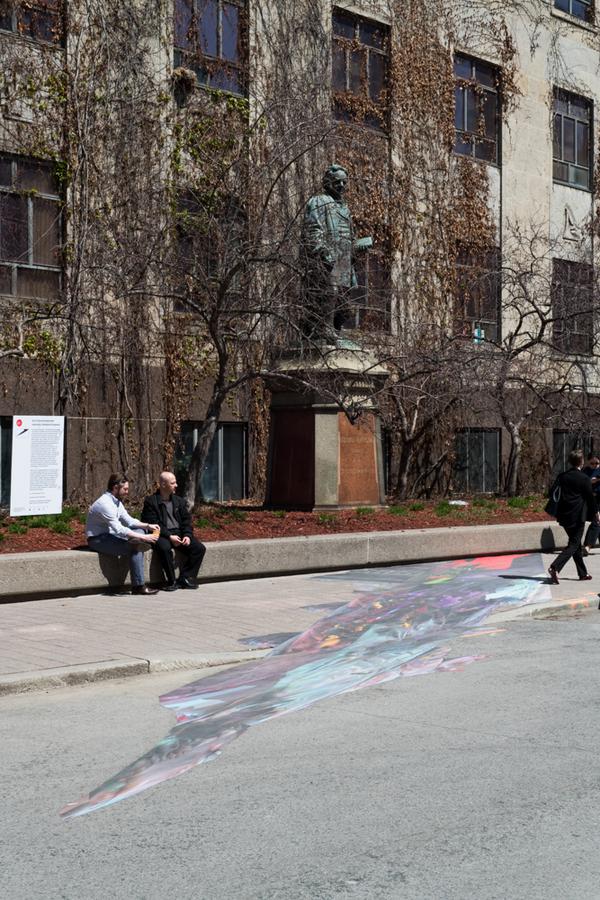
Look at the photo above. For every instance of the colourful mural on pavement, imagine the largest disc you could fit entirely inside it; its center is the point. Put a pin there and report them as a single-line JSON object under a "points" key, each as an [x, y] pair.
{"points": [[397, 624]]}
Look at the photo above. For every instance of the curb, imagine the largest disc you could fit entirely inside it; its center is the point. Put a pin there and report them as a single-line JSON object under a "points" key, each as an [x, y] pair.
{"points": [[546, 610], [105, 670]]}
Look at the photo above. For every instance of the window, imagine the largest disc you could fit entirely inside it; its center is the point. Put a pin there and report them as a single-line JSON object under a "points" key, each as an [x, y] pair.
{"points": [[5, 459], [580, 9], [211, 242], [572, 140], [477, 463], [30, 229], [477, 109], [359, 69], [224, 475], [371, 306], [563, 442], [478, 294], [40, 20], [209, 39], [572, 306]]}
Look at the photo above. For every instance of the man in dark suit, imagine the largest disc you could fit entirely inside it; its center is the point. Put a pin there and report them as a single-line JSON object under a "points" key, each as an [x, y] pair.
{"points": [[575, 507], [168, 511]]}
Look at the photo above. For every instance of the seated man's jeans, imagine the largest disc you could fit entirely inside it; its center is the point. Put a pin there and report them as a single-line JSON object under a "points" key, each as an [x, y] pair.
{"points": [[114, 546]]}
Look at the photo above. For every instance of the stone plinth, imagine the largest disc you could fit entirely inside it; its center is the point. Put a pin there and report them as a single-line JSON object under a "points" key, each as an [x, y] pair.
{"points": [[318, 458]]}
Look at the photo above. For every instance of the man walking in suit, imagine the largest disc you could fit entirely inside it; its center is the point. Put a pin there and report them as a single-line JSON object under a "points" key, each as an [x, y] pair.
{"points": [[576, 506], [592, 470], [170, 512]]}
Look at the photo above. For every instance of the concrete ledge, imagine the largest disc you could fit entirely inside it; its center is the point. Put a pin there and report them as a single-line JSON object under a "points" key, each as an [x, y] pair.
{"points": [[25, 576]]}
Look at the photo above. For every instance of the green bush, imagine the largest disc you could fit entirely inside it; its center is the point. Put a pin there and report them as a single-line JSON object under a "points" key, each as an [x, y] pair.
{"points": [[519, 502], [364, 510], [443, 508], [237, 515], [416, 507], [231, 514], [17, 528], [61, 527], [280, 513], [397, 510], [326, 518], [207, 523], [484, 503]]}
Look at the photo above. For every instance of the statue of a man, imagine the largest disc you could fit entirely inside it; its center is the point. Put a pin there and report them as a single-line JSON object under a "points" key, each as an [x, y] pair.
{"points": [[328, 244]]}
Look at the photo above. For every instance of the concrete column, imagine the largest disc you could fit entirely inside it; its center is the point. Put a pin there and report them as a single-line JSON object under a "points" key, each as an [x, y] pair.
{"points": [[326, 458]]}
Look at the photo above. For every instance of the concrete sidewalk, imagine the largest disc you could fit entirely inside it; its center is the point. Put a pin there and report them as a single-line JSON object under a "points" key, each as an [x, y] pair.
{"points": [[48, 643]]}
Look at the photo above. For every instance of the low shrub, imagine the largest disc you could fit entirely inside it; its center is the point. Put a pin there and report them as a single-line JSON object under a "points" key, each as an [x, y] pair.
{"points": [[416, 507], [61, 527], [484, 503], [326, 518], [279, 513], [364, 510], [443, 508], [207, 523], [519, 502], [17, 528], [397, 510]]}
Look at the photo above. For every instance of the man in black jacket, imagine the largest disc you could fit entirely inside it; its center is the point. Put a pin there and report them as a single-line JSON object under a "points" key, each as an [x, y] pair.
{"points": [[170, 512], [575, 507]]}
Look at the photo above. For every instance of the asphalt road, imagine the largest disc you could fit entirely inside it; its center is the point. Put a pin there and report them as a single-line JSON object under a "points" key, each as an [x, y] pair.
{"points": [[474, 784]]}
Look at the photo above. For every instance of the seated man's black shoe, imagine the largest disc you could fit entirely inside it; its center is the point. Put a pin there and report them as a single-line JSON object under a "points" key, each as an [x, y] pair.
{"points": [[171, 586], [186, 583], [143, 589]]}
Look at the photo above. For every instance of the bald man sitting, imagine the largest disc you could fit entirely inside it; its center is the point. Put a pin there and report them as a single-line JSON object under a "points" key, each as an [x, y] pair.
{"points": [[170, 512]]}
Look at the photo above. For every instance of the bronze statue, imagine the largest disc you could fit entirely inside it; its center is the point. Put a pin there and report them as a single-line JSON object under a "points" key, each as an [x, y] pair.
{"points": [[328, 244]]}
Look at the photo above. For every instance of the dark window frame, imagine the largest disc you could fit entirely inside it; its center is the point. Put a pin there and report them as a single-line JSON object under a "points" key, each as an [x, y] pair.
{"points": [[572, 332], [214, 71], [569, 440], [32, 197], [570, 168], [483, 267], [582, 10], [14, 21], [467, 487], [471, 141], [191, 428], [344, 99]]}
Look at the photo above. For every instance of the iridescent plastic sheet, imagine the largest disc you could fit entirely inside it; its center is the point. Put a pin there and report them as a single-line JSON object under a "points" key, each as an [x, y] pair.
{"points": [[397, 624]]}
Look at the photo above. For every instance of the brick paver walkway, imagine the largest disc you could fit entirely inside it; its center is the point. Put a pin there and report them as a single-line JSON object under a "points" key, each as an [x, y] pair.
{"points": [[214, 619]]}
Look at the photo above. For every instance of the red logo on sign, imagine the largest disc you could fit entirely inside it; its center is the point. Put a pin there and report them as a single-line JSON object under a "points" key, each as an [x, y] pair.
{"points": [[19, 422]]}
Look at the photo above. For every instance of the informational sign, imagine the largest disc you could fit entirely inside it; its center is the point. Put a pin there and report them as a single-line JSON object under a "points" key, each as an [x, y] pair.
{"points": [[37, 465]]}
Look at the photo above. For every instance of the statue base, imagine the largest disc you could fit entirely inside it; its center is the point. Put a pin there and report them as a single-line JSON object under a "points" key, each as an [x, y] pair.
{"points": [[318, 459]]}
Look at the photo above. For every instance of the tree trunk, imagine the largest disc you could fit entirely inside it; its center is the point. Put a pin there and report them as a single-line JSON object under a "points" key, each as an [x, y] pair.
{"points": [[404, 464], [192, 492], [514, 460]]}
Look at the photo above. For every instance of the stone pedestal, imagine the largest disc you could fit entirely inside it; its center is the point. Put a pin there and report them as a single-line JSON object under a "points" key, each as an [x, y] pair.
{"points": [[318, 459]]}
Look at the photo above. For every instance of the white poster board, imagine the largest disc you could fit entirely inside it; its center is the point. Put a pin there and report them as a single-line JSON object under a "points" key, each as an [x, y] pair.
{"points": [[37, 465]]}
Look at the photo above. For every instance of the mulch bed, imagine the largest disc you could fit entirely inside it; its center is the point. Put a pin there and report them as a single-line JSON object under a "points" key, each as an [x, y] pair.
{"points": [[230, 523]]}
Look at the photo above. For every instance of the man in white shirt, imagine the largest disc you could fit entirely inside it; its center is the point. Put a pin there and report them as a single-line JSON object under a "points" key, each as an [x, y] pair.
{"points": [[110, 529]]}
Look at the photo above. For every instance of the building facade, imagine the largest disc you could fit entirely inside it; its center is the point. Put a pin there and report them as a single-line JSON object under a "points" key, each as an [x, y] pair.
{"points": [[154, 164]]}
